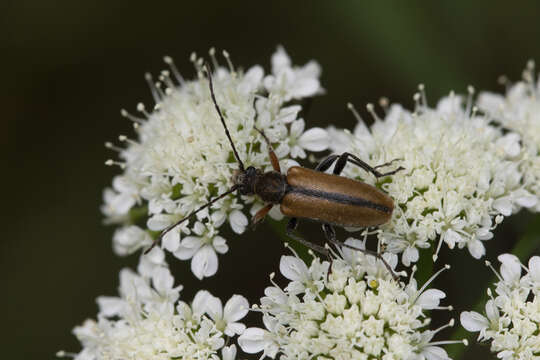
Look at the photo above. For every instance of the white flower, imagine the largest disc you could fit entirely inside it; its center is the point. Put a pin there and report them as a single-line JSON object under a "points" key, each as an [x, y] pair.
{"points": [[292, 82], [512, 320], [231, 211], [314, 139], [228, 352], [226, 318], [128, 239], [519, 111], [121, 198], [255, 340], [181, 157], [475, 322], [202, 250], [460, 174], [149, 262], [353, 311], [147, 321]]}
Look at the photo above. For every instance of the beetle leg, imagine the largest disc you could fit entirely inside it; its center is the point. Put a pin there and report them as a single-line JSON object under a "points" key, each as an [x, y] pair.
{"points": [[326, 163], [386, 163], [260, 215], [355, 160], [291, 226], [273, 158], [330, 234]]}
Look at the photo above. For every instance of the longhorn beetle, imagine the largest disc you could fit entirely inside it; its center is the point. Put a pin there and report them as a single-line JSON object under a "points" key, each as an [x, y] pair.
{"points": [[310, 194]]}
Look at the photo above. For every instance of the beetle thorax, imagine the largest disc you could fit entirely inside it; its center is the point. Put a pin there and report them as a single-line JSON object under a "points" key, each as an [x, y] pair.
{"points": [[269, 186]]}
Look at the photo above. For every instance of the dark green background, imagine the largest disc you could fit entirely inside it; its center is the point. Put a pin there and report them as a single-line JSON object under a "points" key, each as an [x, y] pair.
{"points": [[69, 66]]}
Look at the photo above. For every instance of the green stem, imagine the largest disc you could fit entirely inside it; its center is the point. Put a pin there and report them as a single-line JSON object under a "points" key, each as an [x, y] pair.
{"points": [[526, 246]]}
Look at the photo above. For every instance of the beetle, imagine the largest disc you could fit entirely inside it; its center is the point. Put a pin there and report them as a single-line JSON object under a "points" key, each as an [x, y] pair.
{"points": [[308, 194]]}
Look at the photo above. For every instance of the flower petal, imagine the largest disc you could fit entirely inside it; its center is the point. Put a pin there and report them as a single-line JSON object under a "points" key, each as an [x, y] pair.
{"points": [[200, 302], [297, 127], [410, 255], [430, 299], [523, 198], [451, 237], [492, 311], [188, 247], [473, 321], [171, 240], [148, 262], [162, 280], [510, 144], [293, 268], [220, 245], [280, 60], [276, 214], [315, 139], [159, 222], [435, 353], [510, 268], [251, 80], [235, 328], [228, 352], [238, 221], [204, 262], [476, 248], [288, 114], [534, 268], [110, 305], [304, 87], [503, 205], [490, 102], [214, 308], [236, 308], [253, 340]]}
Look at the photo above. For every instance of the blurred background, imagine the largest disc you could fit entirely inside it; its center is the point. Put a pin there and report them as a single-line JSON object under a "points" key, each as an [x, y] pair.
{"points": [[69, 66]]}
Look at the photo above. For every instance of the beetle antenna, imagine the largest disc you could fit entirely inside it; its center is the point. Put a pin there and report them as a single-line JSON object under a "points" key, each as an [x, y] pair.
{"points": [[209, 71], [170, 227]]}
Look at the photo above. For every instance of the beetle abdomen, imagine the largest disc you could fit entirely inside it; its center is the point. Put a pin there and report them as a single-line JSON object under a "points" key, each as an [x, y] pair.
{"points": [[334, 199]]}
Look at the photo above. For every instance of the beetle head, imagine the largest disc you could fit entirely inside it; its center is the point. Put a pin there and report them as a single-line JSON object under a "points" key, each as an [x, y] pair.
{"points": [[245, 180]]}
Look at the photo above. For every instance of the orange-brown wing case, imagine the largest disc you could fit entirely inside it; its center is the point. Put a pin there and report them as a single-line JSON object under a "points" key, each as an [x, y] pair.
{"points": [[334, 199]]}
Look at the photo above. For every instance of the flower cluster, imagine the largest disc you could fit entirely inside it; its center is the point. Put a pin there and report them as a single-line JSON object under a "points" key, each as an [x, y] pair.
{"points": [[147, 321], [461, 177], [519, 111], [349, 309], [512, 321], [181, 158], [463, 170]]}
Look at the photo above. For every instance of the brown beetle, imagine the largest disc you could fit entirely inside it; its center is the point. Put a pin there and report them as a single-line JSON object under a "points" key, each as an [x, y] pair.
{"points": [[310, 194]]}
